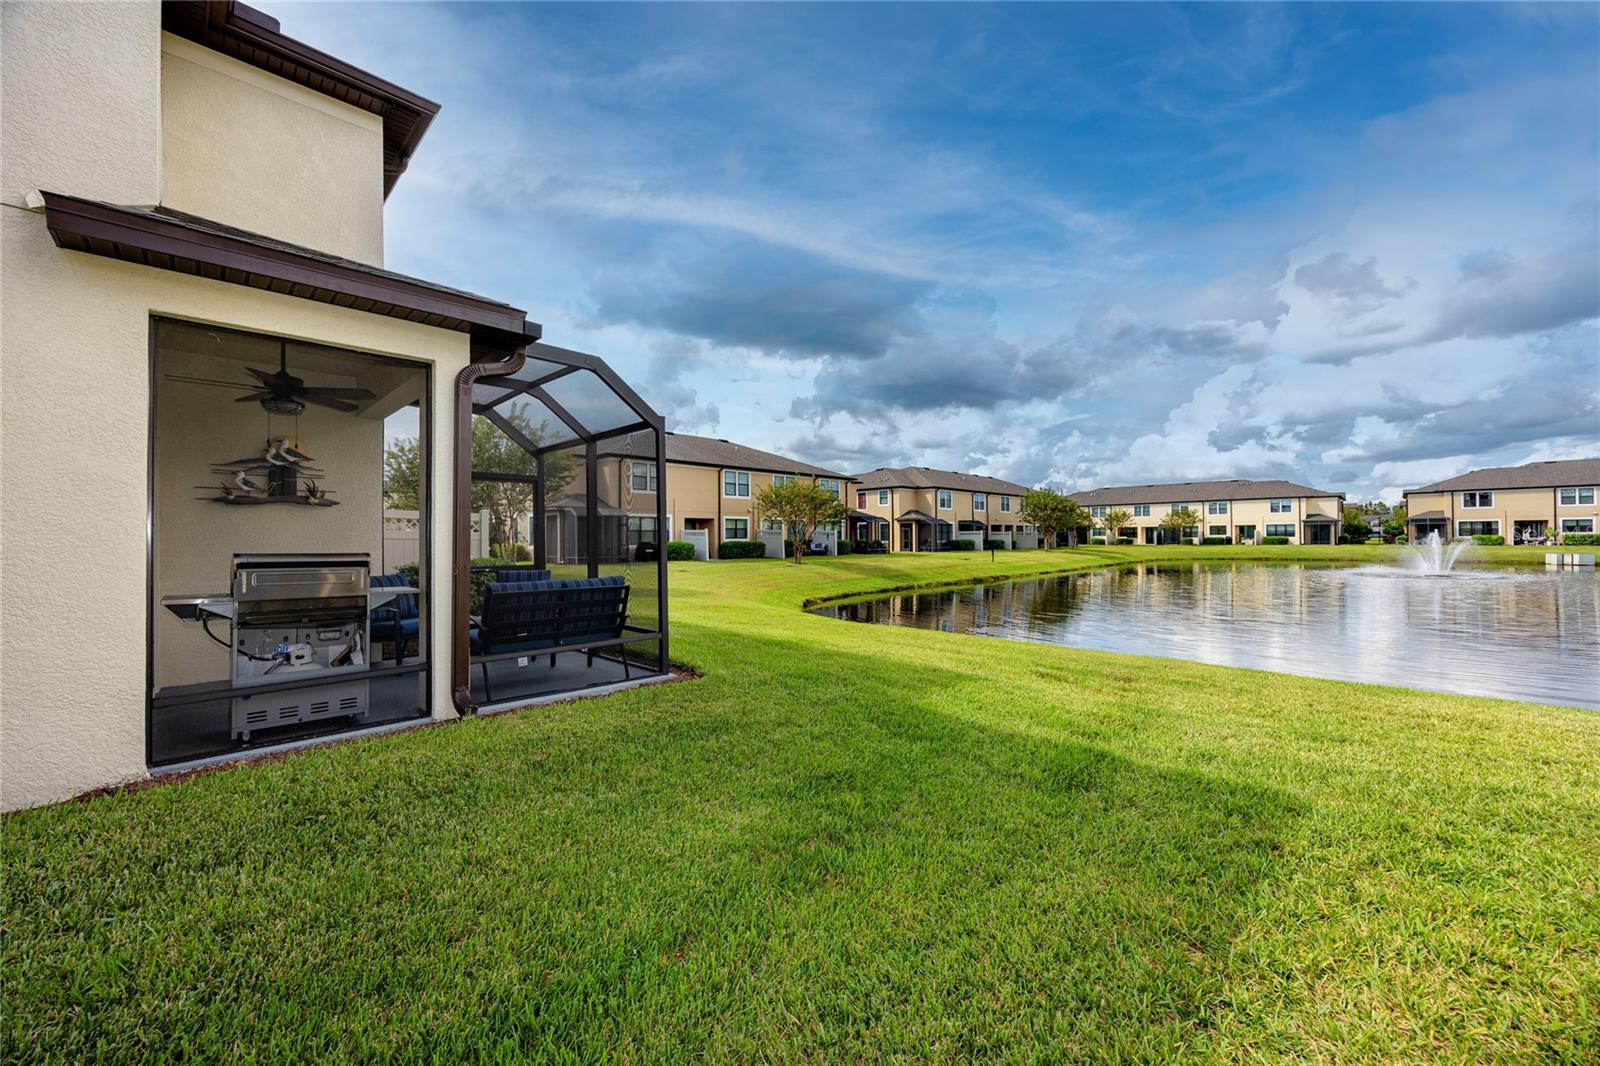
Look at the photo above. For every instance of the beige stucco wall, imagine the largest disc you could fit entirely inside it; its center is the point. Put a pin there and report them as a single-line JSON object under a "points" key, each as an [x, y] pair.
{"points": [[244, 147], [1510, 506], [1249, 512], [73, 480], [81, 86], [960, 510]]}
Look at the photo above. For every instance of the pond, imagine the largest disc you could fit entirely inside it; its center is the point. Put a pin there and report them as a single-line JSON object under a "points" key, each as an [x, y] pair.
{"points": [[1519, 634]]}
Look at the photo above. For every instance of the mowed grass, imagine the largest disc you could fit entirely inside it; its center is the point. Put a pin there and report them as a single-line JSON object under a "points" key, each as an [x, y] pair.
{"points": [[847, 843]]}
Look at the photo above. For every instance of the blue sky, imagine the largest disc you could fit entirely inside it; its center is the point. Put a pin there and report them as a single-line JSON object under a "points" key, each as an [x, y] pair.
{"points": [[1354, 245]]}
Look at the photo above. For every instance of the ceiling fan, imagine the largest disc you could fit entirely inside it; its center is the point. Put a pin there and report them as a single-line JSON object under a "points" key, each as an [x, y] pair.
{"points": [[281, 393]]}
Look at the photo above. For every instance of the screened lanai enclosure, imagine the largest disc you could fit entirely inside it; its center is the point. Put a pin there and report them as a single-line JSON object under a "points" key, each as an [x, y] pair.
{"points": [[571, 450], [278, 611]]}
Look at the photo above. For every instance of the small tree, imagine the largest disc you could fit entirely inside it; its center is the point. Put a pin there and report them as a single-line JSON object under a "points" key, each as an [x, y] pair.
{"points": [[1048, 511], [1077, 517], [1116, 518], [1355, 523], [1176, 522], [801, 506]]}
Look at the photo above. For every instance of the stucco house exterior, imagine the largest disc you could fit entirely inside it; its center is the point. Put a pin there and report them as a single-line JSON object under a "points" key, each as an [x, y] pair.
{"points": [[1519, 503], [919, 508], [197, 323], [1241, 510]]}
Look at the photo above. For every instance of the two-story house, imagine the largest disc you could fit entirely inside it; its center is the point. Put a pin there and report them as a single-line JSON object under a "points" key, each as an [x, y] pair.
{"points": [[1523, 504], [1241, 511], [918, 508]]}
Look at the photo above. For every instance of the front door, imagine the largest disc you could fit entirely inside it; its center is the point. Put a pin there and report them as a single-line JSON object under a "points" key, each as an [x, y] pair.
{"points": [[1317, 533], [1247, 534], [905, 536]]}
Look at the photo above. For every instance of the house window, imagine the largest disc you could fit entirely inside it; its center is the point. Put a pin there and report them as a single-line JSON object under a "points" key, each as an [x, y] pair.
{"points": [[773, 525], [1280, 530], [1141, 510], [1097, 531], [1576, 497], [1176, 507], [1478, 529], [946, 500], [1005, 505], [828, 484], [1279, 507], [643, 530], [861, 501], [883, 497], [1216, 531], [736, 483], [642, 476], [736, 529], [1477, 499], [980, 502], [1097, 511], [782, 479], [1577, 525], [1217, 507]]}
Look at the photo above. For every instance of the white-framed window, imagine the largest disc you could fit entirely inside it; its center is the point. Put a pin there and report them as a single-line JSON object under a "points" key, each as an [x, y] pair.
{"points": [[1141, 510], [1097, 531], [772, 525], [1577, 525], [1216, 531], [883, 497], [829, 484], [736, 483], [736, 529], [642, 476], [643, 529], [946, 500], [1484, 528], [980, 502], [1279, 530], [1279, 507], [783, 479], [1477, 499], [1005, 505], [1576, 497], [1217, 507], [1097, 511]]}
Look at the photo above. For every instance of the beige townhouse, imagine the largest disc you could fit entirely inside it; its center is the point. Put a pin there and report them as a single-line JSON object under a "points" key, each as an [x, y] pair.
{"points": [[1239, 510], [710, 486], [918, 508], [1523, 504]]}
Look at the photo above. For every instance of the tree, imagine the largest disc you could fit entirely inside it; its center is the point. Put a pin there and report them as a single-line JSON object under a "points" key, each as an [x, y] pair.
{"points": [[492, 451], [1176, 523], [1115, 519], [1077, 517], [1355, 523], [802, 506], [1396, 525], [1049, 512]]}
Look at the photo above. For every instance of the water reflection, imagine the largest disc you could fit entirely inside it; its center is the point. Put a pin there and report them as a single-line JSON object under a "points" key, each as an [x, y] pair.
{"points": [[1527, 635]]}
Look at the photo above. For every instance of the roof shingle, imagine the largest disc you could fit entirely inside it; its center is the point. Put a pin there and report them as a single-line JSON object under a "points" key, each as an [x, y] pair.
{"points": [[1549, 475], [1196, 492], [926, 477]]}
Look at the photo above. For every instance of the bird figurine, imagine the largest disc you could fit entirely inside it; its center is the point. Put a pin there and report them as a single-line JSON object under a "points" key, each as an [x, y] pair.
{"points": [[244, 481], [283, 451]]}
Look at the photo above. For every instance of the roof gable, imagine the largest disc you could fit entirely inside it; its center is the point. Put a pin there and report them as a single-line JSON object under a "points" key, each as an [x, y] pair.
{"points": [[1548, 475]]}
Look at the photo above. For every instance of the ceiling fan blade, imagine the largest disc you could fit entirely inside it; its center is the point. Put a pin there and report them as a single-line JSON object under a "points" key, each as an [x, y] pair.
{"points": [[337, 405], [254, 397], [210, 381], [334, 394], [265, 377]]}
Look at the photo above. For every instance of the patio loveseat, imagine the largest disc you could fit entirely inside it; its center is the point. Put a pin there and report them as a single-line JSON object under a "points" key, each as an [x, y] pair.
{"points": [[584, 614]]}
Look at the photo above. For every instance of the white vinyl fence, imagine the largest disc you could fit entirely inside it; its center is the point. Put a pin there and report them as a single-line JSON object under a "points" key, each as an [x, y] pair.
{"points": [[402, 538]]}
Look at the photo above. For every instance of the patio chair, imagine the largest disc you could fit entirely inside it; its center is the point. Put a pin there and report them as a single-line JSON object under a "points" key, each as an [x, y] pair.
{"points": [[398, 620], [549, 616], [520, 575]]}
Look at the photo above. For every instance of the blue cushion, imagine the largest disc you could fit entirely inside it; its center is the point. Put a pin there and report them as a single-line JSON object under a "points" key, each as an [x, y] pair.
{"points": [[520, 575]]}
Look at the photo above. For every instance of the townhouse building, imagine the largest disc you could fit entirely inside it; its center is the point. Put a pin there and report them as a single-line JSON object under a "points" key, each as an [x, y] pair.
{"points": [[1520, 503], [710, 486], [919, 508], [1242, 511]]}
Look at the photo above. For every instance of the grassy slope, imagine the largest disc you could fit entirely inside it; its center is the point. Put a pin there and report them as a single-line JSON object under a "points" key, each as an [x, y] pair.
{"points": [[849, 842]]}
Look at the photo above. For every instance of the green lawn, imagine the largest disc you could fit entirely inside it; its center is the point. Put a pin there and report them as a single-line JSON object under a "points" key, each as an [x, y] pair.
{"points": [[848, 843]]}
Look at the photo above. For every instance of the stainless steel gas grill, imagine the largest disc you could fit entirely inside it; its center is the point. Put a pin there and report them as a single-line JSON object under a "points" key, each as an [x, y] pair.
{"points": [[293, 616]]}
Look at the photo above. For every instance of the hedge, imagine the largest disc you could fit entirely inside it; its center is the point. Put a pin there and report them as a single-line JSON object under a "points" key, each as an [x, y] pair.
{"points": [[680, 551], [845, 547], [995, 544], [963, 544], [1400, 540], [1097, 540], [1488, 539], [1274, 540], [741, 549], [1124, 540], [1583, 539], [1216, 540]]}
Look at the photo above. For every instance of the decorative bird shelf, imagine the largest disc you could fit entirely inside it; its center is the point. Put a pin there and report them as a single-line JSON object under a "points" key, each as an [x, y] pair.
{"points": [[283, 473]]}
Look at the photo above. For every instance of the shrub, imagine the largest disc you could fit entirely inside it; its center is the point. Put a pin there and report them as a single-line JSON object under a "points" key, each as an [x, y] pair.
{"points": [[1274, 540], [1400, 539], [1216, 540], [1582, 539], [680, 550], [1097, 540], [995, 544], [1124, 540], [963, 544], [410, 570], [845, 547], [1488, 539], [741, 549]]}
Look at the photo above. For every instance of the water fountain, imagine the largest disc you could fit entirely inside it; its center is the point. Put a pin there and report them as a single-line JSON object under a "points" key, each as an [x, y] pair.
{"points": [[1434, 555]]}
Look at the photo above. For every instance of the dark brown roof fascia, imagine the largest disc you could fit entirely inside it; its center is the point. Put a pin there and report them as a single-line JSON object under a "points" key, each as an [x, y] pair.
{"points": [[168, 243], [253, 37]]}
